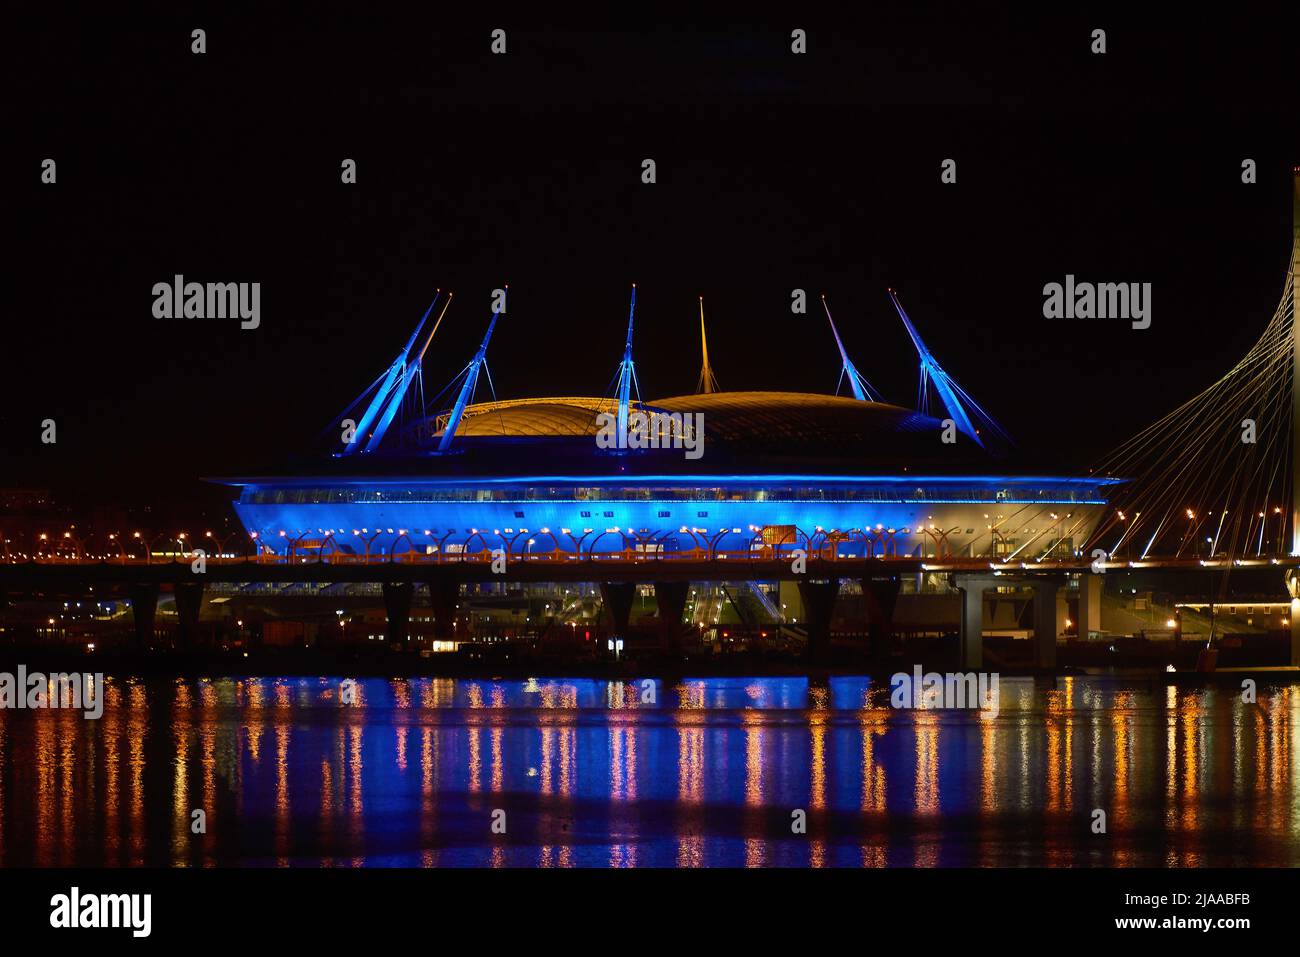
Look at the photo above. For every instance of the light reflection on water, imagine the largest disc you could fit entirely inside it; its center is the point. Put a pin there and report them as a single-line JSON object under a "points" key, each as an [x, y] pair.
{"points": [[610, 774]]}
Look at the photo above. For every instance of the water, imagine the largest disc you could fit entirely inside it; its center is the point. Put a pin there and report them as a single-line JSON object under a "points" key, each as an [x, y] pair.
{"points": [[589, 775]]}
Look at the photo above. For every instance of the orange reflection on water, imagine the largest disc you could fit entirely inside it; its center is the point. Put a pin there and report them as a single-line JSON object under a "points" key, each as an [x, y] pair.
{"points": [[754, 846], [356, 820], [1122, 726], [498, 766], [690, 695], [401, 693], [623, 745], [181, 706], [327, 808], [428, 795], [1214, 783], [1193, 744], [817, 720], [690, 786], [402, 702], [616, 763], [926, 791], [208, 728], [436, 692], [251, 695], [136, 729], [1276, 782], [475, 694], [283, 811], [45, 808], [623, 773], [112, 762], [873, 721], [283, 696], [875, 853]]}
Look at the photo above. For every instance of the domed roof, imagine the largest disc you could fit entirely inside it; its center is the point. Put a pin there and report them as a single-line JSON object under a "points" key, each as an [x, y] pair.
{"points": [[797, 417], [555, 416], [758, 427]]}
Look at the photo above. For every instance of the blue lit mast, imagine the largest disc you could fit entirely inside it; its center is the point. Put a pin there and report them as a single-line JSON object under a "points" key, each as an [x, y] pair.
{"points": [[395, 370], [627, 372], [467, 388], [862, 390], [404, 383], [950, 393]]}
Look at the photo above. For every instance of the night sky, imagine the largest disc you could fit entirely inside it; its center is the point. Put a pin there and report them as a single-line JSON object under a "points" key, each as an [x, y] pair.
{"points": [[775, 171]]}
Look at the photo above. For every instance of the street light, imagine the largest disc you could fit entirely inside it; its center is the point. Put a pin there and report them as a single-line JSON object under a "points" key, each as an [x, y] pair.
{"points": [[221, 541], [76, 544], [148, 545]]}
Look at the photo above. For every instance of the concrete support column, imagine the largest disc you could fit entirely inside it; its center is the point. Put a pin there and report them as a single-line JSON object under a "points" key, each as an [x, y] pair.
{"points": [[670, 597], [818, 603], [1293, 589], [444, 595], [189, 599], [616, 598], [880, 596], [1045, 590], [1089, 604], [144, 608], [397, 611], [1294, 659], [970, 640]]}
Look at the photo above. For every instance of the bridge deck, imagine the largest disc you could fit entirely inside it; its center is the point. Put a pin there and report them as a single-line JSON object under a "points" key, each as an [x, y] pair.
{"points": [[566, 568]]}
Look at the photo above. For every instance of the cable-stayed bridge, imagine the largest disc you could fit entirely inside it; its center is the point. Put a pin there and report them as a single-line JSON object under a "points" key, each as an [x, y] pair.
{"points": [[1217, 476]]}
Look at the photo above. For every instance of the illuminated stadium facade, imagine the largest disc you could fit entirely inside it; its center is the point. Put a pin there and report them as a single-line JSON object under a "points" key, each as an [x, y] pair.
{"points": [[856, 475]]}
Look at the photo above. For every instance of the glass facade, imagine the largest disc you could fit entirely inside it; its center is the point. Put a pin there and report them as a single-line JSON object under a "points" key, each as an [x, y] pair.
{"points": [[961, 491]]}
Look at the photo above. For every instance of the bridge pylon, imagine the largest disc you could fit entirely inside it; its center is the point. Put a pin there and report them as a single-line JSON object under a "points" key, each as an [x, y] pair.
{"points": [[1295, 363]]}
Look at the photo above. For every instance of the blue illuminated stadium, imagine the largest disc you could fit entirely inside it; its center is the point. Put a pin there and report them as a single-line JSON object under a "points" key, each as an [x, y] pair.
{"points": [[866, 477]]}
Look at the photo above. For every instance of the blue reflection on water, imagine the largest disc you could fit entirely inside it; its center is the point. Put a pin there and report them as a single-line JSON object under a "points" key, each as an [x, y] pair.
{"points": [[716, 772]]}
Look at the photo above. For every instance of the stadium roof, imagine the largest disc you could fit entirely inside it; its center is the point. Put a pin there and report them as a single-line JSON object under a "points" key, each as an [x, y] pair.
{"points": [[777, 422]]}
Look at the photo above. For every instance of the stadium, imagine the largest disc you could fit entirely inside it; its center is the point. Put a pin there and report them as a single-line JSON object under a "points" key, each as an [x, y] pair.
{"points": [[749, 471]]}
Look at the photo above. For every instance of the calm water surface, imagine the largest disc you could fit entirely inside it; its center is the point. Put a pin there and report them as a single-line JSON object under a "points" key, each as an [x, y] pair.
{"points": [[589, 775]]}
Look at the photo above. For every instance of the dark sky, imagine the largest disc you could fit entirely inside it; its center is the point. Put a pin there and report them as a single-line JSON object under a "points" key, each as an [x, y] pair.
{"points": [[775, 171]]}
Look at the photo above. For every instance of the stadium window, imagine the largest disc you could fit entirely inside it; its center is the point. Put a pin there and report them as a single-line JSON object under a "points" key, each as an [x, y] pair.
{"points": [[519, 514], [609, 514], [585, 514], [665, 514]]}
